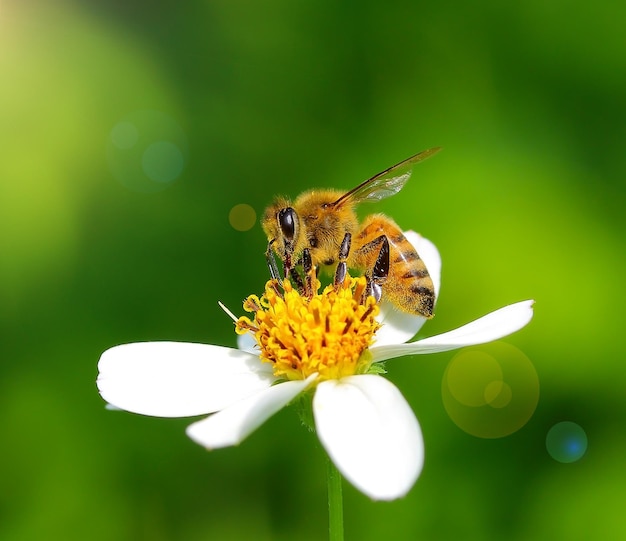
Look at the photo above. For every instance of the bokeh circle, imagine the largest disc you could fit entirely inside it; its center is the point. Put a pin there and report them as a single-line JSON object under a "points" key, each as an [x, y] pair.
{"points": [[146, 151], [490, 391], [566, 442], [242, 217]]}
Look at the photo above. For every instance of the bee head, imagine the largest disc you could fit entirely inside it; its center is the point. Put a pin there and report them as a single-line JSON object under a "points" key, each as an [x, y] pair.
{"points": [[281, 224]]}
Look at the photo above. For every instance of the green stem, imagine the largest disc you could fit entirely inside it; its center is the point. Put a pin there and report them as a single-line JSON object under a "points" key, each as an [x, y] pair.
{"points": [[335, 502]]}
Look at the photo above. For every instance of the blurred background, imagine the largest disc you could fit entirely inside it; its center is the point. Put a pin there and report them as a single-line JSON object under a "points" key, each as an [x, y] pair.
{"points": [[129, 133]]}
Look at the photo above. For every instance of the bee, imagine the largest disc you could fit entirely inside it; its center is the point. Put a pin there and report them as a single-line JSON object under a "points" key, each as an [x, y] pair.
{"points": [[320, 228]]}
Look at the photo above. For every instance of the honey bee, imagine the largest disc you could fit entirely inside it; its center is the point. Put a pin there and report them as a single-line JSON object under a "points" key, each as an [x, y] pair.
{"points": [[320, 228]]}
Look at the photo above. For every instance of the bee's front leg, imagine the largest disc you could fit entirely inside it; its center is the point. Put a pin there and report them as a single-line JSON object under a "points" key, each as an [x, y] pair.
{"points": [[271, 262], [342, 266]]}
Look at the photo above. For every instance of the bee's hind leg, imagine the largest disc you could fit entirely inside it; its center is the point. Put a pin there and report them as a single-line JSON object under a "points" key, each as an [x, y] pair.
{"points": [[377, 275]]}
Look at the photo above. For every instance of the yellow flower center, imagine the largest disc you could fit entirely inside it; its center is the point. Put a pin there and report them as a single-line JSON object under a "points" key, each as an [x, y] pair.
{"points": [[328, 333]]}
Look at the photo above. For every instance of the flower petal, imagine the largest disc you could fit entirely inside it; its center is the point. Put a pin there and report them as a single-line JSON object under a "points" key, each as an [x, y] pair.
{"points": [[179, 379], [246, 342], [370, 433], [399, 326], [491, 327], [233, 424]]}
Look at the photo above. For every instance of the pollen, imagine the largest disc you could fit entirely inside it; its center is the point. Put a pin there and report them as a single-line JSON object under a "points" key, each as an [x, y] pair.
{"points": [[327, 333]]}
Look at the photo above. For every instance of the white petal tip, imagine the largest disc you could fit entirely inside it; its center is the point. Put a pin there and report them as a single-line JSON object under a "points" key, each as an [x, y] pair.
{"points": [[177, 379], [195, 433], [111, 407], [528, 307], [234, 424], [369, 412]]}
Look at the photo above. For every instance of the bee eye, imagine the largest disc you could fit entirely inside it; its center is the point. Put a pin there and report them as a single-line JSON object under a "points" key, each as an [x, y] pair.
{"points": [[287, 222]]}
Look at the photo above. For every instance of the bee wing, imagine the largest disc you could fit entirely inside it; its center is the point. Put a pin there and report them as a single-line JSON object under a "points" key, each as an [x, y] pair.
{"points": [[386, 183]]}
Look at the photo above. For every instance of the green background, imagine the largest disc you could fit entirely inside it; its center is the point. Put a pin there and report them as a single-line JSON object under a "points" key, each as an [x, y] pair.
{"points": [[525, 201]]}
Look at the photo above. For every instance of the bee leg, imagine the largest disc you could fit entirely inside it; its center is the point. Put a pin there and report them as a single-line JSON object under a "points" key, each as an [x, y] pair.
{"points": [[309, 273], [271, 263], [381, 267], [342, 266], [377, 276], [295, 277], [288, 268]]}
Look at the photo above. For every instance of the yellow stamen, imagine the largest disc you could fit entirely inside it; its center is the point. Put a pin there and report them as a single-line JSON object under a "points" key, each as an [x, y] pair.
{"points": [[328, 334]]}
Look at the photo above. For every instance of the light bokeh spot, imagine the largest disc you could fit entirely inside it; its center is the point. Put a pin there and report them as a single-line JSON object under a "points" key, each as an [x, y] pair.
{"points": [[162, 162], [242, 217], [147, 151], [490, 391], [566, 442], [124, 135], [498, 394], [469, 374]]}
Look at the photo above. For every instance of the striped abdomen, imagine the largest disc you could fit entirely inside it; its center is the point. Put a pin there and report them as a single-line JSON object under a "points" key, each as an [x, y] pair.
{"points": [[408, 285]]}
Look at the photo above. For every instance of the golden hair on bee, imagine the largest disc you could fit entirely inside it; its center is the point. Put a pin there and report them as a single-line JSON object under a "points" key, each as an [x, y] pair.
{"points": [[320, 227]]}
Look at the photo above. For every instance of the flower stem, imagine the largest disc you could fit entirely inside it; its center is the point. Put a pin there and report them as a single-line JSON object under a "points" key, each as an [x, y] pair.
{"points": [[335, 502]]}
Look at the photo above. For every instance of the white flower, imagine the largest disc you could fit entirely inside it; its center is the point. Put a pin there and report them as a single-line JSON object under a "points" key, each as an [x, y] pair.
{"points": [[361, 419]]}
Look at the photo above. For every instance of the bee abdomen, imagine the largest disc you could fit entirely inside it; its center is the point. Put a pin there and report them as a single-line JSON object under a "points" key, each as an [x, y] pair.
{"points": [[425, 297], [407, 257], [408, 285], [415, 274]]}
